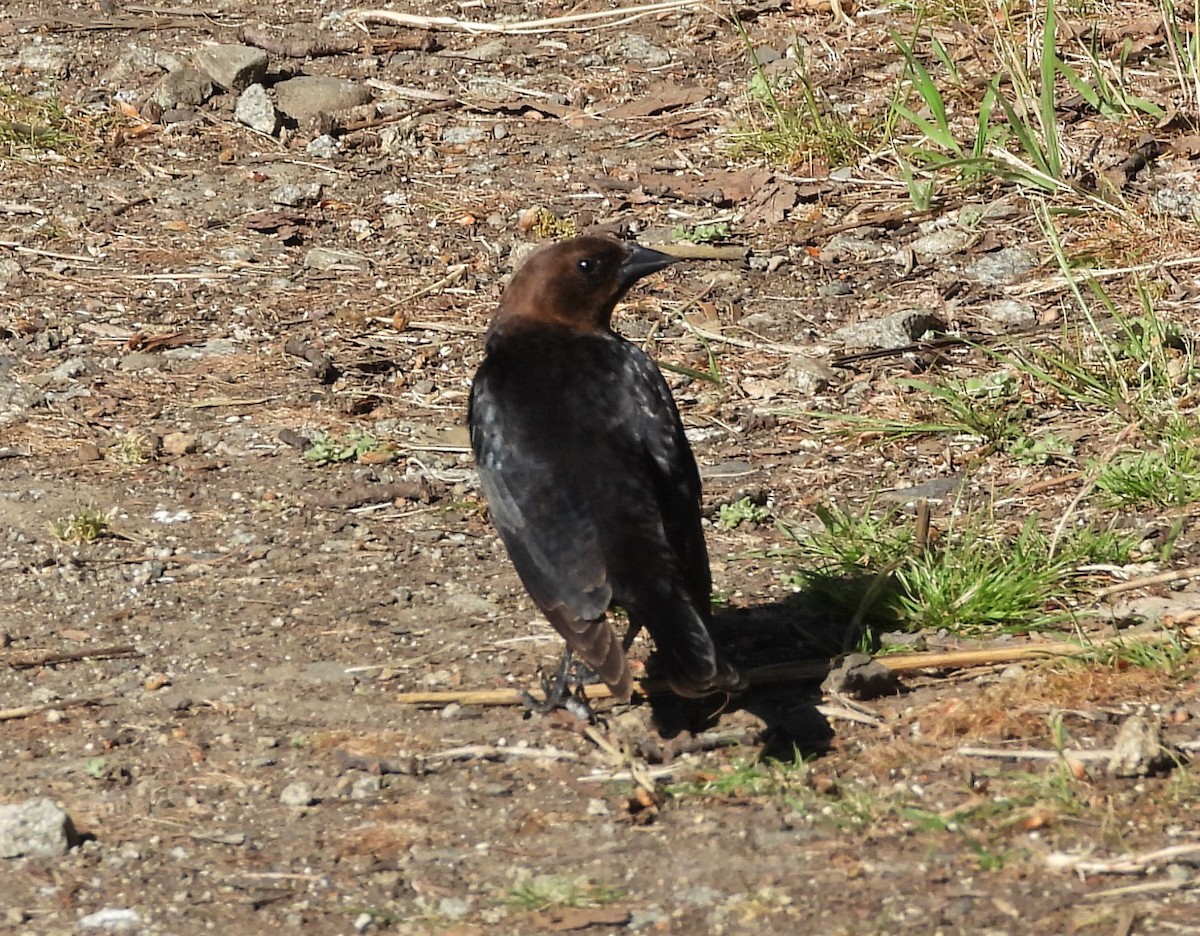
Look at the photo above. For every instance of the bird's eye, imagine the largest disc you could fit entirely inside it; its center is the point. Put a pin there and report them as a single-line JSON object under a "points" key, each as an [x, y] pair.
{"points": [[588, 266]]}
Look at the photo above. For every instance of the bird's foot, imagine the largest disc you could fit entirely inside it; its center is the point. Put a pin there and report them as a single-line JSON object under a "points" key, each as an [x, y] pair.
{"points": [[564, 691]]}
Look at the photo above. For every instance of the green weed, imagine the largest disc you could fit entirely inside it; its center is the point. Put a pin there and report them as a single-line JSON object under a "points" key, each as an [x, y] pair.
{"points": [[744, 510], [30, 126], [973, 579], [133, 448], [86, 525], [327, 449], [748, 778], [547, 891], [702, 233], [791, 120]]}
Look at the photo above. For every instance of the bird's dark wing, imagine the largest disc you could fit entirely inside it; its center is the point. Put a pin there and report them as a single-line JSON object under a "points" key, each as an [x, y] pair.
{"points": [[547, 523], [661, 574], [672, 470]]}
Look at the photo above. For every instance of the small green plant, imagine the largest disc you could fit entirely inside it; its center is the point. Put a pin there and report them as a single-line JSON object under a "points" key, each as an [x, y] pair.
{"points": [[133, 448], [793, 120], [986, 406], [327, 449], [86, 525], [1167, 477], [1041, 449], [33, 125], [762, 777], [743, 510], [547, 891], [849, 541], [702, 233], [973, 579], [547, 226]]}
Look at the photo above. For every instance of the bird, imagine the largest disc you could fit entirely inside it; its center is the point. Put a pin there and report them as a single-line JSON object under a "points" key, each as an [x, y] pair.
{"points": [[586, 470]]}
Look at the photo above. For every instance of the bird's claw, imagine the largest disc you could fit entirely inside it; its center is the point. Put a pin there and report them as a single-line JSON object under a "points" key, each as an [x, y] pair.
{"points": [[563, 691]]}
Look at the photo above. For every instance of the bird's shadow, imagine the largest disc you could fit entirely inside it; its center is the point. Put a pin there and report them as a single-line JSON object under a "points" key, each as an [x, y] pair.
{"points": [[832, 616]]}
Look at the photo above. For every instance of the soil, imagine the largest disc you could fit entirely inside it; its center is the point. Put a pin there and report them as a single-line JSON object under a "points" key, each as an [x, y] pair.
{"points": [[211, 688]]}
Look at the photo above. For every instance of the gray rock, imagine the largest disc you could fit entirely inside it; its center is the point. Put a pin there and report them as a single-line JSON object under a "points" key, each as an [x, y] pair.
{"points": [[861, 676], [366, 787], [1176, 202], [304, 98], [18, 396], [112, 920], [255, 110], [36, 828], [854, 247], [809, 375], [297, 196], [490, 51], [891, 331], [835, 289], [460, 136], [453, 908], [9, 268], [1138, 750], [135, 60], [324, 147], [1008, 312], [471, 605], [325, 258], [1003, 266], [941, 243], [177, 115], [184, 86], [142, 360], [297, 795], [232, 67], [636, 48], [45, 59], [654, 919]]}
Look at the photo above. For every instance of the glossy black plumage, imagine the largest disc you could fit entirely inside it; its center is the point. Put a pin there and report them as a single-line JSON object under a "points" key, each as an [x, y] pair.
{"points": [[585, 466]]}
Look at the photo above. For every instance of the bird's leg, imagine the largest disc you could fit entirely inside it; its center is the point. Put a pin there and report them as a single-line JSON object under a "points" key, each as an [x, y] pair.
{"points": [[564, 690]]}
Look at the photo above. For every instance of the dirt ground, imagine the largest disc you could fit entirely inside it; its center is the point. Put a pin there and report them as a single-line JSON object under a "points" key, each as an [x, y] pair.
{"points": [[211, 688]]}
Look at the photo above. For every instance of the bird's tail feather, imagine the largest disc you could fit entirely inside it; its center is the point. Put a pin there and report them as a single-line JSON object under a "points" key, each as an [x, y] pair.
{"points": [[693, 666], [594, 642]]}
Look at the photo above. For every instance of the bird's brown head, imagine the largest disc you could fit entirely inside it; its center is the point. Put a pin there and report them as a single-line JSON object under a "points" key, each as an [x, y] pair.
{"points": [[576, 282]]}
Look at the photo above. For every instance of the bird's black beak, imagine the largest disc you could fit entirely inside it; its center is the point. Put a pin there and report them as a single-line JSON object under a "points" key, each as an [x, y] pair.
{"points": [[642, 261]]}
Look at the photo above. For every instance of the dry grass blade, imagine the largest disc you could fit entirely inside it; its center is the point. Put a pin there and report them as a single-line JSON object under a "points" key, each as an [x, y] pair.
{"points": [[618, 17]]}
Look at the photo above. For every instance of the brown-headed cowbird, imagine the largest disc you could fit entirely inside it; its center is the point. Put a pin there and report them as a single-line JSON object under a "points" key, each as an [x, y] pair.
{"points": [[586, 469]]}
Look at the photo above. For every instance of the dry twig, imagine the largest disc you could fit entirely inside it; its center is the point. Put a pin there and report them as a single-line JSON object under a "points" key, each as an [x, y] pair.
{"points": [[1129, 864], [30, 660], [24, 711]]}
